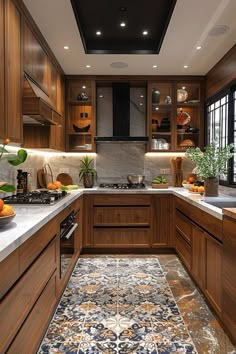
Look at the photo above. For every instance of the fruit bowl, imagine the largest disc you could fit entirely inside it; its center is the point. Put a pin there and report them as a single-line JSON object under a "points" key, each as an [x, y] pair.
{"points": [[186, 185], [6, 219]]}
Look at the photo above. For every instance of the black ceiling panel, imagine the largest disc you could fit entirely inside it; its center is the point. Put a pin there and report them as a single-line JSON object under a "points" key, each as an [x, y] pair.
{"points": [[106, 16]]}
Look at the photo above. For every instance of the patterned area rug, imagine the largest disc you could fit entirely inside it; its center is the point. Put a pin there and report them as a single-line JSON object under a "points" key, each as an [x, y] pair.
{"points": [[117, 306]]}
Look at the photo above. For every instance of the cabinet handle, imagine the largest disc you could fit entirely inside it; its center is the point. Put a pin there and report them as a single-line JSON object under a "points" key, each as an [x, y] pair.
{"points": [[71, 231]]}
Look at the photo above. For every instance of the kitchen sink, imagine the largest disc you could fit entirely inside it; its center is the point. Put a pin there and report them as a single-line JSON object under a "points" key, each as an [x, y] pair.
{"points": [[221, 202]]}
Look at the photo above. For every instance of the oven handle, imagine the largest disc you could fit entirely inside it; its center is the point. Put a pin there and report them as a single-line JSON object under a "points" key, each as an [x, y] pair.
{"points": [[71, 231]]}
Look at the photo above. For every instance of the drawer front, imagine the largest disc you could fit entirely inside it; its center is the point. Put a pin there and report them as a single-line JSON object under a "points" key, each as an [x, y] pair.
{"points": [[11, 267], [17, 304], [183, 226], [182, 205], [112, 199], [35, 324], [30, 249], [121, 237], [122, 216], [184, 250]]}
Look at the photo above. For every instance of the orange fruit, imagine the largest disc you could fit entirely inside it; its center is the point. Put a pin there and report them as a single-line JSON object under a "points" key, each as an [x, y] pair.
{"points": [[7, 210], [201, 189], [195, 188], [191, 188], [57, 184], [1, 204], [51, 186], [191, 179]]}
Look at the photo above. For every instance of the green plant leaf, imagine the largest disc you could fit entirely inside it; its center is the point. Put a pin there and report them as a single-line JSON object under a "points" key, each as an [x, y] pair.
{"points": [[7, 188], [17, 159]]}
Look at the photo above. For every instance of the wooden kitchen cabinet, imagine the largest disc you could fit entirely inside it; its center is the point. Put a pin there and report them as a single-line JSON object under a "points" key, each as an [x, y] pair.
{"points": [[11, 72], [174, 106], [81, 115], [198, 268], [162, 221]]}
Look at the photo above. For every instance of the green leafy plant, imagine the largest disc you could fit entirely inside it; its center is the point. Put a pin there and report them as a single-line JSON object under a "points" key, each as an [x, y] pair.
{"points": [[12, 159], [211, 162], [86, 167], [159, 180]]}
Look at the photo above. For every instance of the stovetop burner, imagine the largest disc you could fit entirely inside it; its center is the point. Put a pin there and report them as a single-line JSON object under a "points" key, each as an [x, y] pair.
{"points": [[122, 185], [36, 197]]}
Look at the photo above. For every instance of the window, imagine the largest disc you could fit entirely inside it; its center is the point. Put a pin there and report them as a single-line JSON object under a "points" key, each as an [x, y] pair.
{"points": [[221, 127]]}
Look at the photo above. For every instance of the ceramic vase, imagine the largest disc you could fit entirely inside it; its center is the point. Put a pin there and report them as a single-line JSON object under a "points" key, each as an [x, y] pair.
{"points": [[88, 180], [155, 96], [211, 187]]}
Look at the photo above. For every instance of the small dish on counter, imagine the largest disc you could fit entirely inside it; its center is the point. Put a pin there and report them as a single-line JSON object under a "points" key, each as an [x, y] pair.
{"points": [[6, 219]]}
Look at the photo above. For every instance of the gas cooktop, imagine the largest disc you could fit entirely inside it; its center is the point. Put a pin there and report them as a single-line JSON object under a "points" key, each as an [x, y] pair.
{"points": [[36, 198], [122, 185]]}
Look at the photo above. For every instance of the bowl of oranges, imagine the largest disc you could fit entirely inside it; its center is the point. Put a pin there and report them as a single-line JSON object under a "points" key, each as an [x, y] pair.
{"points": [[186, 183], [7, 213]]}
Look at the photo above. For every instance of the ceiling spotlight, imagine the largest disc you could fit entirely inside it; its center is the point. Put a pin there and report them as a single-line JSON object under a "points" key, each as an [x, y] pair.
{"points": [[122, 24], [145, 33], [88, 66], [98, 33], [66, 47], [185, 66], [154, 66], [83, 87], [198, 47]]}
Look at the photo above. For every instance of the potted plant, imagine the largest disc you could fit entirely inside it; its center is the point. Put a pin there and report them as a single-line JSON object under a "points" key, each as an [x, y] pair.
{"points": [[87, 172], [12, 159], [160, 182], [210, 164]]}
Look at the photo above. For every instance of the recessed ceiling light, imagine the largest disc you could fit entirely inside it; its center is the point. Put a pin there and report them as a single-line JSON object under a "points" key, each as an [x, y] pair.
{"points": [[83, 87], [145, 33], [122, 24], [154, 66], [218, 30], [98, 33], [185, 66], [198, 47], [66, 47], [119, 65], [88, 66]]}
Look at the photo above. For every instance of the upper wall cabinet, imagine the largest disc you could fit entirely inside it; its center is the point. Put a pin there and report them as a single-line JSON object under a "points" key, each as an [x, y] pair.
{"points": [[35, 60], [175, 114], [10, 68], [81, 123]]}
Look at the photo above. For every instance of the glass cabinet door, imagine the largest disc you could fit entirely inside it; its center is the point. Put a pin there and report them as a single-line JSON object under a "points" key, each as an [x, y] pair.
{"points": [[160, 122]]}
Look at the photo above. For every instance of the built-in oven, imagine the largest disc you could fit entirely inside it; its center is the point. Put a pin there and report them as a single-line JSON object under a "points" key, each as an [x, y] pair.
{"points": [[68, 228]]}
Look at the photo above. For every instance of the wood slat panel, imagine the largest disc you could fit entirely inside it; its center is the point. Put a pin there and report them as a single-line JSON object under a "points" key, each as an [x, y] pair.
{"points": [[106, 199], [121, 216], [121, 237]]}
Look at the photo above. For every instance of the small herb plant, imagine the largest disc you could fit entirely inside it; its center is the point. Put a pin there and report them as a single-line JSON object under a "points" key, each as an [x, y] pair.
{"points": [[86, 167], [159, 180], [212, 162]]}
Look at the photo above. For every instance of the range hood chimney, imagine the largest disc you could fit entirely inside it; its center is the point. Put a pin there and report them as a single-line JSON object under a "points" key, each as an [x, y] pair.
{"points": [[121, 117]]}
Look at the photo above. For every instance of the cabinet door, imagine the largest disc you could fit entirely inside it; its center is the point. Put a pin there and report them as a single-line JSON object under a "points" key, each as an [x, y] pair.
{"points": [[199, 256], [13, 76], [53, 83], [213, 272], [162, 221], [2, 120]]}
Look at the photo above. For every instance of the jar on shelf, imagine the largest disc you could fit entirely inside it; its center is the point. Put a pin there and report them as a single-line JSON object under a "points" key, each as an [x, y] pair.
{"points": [[155, 96]]}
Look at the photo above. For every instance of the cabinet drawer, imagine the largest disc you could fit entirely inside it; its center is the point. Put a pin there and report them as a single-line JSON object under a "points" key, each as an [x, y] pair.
{"points": [[104, 199], [183, 250], [9, 272], [121, 216], [35, 324], [30, 249], [183, 226], [17, 304], [121, 237]]}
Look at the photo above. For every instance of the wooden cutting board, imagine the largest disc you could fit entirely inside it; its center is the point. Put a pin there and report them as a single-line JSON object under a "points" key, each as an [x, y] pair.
{"points": [[65, 179], [41, 178]]}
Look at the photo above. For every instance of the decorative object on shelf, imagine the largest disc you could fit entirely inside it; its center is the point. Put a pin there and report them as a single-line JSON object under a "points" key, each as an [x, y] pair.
{"points": [[168, 100], [154, 125], [187, 143], [83, 115], [155, 96], [81, 130], [183, 117], [87, 173], [177, 165], [210, 164], [164, 125], [182, 95], [190, 129], [82, 97]]}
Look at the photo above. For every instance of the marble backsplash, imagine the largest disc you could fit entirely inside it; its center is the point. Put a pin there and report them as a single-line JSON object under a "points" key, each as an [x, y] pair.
{"points": [[113, 163]]}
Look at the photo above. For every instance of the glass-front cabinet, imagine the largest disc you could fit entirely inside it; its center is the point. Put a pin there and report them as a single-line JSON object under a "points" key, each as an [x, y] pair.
{"points": [[81, 115], [175, 115]]}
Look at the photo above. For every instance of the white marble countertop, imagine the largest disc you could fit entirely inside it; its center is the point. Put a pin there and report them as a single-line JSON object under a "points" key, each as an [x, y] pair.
{"points": [[30, 219]]}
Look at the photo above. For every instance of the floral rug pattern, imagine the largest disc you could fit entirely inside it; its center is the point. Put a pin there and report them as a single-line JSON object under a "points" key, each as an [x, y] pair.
{"points": [[117, 306]]}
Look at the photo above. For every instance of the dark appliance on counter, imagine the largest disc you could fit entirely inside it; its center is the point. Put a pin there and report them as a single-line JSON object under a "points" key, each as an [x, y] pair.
{"points": [[36, 198], [68, 228], [122, 185]]}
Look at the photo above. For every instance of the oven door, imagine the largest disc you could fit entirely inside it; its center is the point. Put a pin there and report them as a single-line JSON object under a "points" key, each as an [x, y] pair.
{"points": [[67, 248]]}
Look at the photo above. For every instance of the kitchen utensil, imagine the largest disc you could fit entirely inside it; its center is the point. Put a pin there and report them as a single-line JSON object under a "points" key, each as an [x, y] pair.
{"points": [[182, 95], [65, 179], [48, 176], [183, 118], [132, 178], [177, 165], [41, 178]]}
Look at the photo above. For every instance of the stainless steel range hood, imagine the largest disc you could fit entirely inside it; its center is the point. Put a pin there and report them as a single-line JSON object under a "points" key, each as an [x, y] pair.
{"points": [[121, 119]]}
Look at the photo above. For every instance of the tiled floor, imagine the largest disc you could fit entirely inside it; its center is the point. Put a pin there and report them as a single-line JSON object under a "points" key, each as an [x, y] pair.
{"points": [[123, 304]]}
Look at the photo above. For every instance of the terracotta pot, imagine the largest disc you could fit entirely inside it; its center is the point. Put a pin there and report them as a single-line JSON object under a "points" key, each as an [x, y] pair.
{"points": [[211, 187], [88, 180]]}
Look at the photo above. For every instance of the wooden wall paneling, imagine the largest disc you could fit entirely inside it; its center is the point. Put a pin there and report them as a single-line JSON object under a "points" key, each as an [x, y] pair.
{"points": [[2, 74], [13, 73], [222, 73]]}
